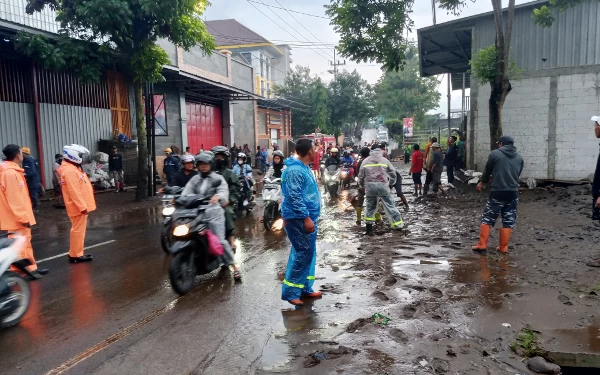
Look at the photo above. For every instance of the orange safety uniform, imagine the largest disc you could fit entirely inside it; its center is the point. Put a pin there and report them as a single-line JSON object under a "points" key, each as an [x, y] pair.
{"points": [[78, 195], [15, 207]]}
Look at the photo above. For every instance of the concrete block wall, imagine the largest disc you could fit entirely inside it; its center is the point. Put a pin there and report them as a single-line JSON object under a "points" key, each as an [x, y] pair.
{"points": [[576, 144], [550, 120], [172, 107], [525, 117]]}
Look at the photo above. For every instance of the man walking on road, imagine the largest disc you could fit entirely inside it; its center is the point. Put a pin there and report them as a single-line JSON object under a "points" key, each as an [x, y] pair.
{"points": [[115, 167], [376, 175], [596, 187], [437, 160], [504, 167], [79, 199], [428, 174], [16, 213], [300, 211], [32, 175], [450, 160]]}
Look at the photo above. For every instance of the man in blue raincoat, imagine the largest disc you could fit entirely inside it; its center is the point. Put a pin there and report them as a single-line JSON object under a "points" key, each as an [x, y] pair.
{"points": [[300, 210]]}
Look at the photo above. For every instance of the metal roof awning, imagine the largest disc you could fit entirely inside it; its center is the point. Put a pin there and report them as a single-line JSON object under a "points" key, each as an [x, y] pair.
{"points": [[281, 103], [443, 50], [205, 89]]}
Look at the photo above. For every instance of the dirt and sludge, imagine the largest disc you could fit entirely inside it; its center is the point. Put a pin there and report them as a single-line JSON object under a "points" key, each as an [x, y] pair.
{"points": [[412, 302], [421, 302]]}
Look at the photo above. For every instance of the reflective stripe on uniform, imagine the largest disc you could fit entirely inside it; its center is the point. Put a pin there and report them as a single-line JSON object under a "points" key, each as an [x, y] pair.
{"points": [[397, 223], [374, 165], [369, 218], [293, 285], [310, 278]]}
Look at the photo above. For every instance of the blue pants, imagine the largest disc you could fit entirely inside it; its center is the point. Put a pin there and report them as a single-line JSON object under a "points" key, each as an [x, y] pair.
{"points": [[504, 204], [300, 272]]}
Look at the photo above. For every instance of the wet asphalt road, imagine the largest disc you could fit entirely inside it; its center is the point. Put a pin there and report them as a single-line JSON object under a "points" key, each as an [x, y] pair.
{"points": [[119, 313]]}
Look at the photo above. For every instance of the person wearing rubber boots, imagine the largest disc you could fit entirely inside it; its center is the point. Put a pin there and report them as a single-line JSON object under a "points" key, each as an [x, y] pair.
{"points": [[16, 212], [504, 167], [79, 199], [376, 175], [300, 211], [360, 200]]}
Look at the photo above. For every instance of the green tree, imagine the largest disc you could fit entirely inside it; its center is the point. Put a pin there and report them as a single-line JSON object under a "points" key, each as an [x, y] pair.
{"points": [[375, 30], [299, 86], [127, 30], [405, 93], [544, 15], [350, 101]]}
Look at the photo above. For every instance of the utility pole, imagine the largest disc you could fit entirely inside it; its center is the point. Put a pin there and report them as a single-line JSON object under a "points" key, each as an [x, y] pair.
{"points": [[335, 65], [449, 105], [433, 9]]}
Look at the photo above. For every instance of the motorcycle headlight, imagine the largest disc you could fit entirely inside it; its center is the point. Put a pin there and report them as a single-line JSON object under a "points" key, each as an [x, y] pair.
{"points": [[344, 175], [266, 197], [168, 211], [181, 230]]}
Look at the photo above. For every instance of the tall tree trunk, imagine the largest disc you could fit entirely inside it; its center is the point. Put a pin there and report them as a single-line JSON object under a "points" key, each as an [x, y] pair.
{"points": [[141, 192], [495, 115]]}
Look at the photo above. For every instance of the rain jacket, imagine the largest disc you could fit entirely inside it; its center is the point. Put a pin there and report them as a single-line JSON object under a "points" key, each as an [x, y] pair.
{"points": [[504, 166], [232, 183], [333, 160], [77, 190], [32, 175], [301, 198], [376, 175], [204, 186], [15, 205], [243, 170], [348, 160]]}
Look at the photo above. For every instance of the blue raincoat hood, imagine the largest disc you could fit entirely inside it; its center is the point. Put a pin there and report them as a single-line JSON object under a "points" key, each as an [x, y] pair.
{"points": [[301, 196]]}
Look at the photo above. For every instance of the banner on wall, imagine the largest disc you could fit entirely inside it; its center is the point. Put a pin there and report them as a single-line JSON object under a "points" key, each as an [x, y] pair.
{"points": [[408, 127]]}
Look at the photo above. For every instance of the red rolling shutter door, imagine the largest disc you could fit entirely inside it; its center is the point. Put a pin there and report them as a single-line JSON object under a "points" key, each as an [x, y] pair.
{"points": [[204, 126]]}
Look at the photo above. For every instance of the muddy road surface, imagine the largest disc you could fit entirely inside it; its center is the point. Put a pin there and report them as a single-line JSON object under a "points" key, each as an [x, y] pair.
{"points": [[442, 308]]}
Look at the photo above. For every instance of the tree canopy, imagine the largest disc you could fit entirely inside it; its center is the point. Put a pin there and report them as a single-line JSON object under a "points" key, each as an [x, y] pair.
{"points": [[405, 93], [545, 15]]}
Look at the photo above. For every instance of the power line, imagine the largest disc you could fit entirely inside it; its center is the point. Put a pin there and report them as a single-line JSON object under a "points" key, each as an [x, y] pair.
{"points": [[295, 19], [281, 27], [290, 43], [293, 11]]}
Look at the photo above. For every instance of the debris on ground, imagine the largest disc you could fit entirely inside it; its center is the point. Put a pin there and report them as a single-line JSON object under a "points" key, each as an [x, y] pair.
{"points": [[380, 319], [541, 366]]}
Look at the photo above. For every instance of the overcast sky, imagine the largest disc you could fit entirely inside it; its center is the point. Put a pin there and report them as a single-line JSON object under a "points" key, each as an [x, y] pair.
{"points": [[313, 29]]}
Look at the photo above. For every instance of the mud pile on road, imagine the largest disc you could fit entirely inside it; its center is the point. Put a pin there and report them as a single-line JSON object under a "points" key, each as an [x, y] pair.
{"points": [[451, 310]]}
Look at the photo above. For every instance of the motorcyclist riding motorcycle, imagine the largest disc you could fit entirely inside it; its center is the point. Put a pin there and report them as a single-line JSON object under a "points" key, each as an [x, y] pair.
{"points": [[187, 173], [203, 184], [241, 169], [221, 167], [277, 166], [334, 158]]}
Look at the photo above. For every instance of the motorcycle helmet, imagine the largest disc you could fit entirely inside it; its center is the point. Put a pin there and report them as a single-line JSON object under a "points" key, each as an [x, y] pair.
{"points": [[346, 153], [75, 153], [187, 159], [205, 157], [221, 150], [168, 151], [334, 150], [242, 156], [278, 153]]}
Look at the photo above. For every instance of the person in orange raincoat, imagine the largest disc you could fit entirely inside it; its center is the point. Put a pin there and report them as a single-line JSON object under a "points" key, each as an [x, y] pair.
{"points": [[79, 199], [16, 212]]}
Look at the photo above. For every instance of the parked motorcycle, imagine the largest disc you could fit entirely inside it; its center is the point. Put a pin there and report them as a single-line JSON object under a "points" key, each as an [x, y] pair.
{"points": [[168, 199], [346, 175], [246, 201], [273, 198], [331, 180], [190, 249], [14, 289]]}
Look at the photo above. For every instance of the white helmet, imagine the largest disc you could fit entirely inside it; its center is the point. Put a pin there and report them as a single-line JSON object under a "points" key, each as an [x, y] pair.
{"points": [[187, 159], [75, 153]]}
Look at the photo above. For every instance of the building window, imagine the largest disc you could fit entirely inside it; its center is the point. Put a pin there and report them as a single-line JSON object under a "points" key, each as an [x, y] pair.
{"points": [[160, 115], [247, 56], [268, 71], [263, 69]]}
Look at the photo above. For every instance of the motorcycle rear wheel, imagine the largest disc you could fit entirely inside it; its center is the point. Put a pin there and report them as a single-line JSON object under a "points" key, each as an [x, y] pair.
{"points": [[20, 289], [182, 272]]}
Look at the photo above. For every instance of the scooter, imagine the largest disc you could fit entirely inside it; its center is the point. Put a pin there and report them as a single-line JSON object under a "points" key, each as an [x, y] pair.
{"points": [[166, 232], [14, 289], [190, 249], [331, 180], [273, 197], [346, 175], [246, 201]]}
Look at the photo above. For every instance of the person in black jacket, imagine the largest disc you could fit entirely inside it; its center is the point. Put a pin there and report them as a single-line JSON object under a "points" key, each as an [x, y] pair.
{"points": [[185, 175], [170, 167], [503, 168], [32, 176], [450, 159], [115, 168], [596, 187]]}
